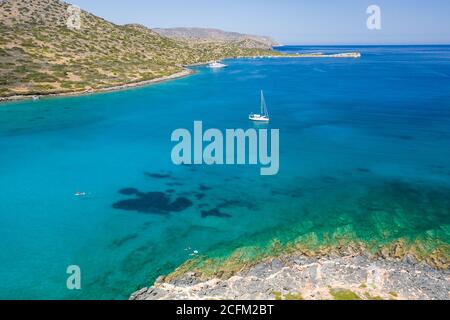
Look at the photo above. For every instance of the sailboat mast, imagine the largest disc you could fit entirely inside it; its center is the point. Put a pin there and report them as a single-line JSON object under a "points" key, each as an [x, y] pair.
{"points": [[263, 105], [263, 111]]}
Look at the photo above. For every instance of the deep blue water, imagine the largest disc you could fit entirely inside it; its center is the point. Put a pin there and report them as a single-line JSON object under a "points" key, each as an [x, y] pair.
{"points": [[354, 132]]}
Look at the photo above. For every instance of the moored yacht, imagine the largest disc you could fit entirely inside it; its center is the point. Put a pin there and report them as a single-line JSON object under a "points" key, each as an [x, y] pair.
{"points": [[264, 115], [217, 65]]}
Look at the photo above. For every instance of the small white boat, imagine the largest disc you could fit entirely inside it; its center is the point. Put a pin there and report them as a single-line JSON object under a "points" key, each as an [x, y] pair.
{"points": [[217, 65], [35, 98], [264, 115]]}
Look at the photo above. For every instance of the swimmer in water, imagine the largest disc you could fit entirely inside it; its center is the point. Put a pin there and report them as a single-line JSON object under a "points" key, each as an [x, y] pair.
{"points": [[194, 253]]}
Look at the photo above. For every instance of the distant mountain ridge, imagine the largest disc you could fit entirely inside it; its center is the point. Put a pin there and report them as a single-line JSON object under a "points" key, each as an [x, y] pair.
{"points": [[216, 35]]}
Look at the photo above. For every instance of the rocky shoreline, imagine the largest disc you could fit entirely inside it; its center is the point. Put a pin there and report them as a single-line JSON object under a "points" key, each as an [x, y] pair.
{"points": [[300, 277], [186, 72]]}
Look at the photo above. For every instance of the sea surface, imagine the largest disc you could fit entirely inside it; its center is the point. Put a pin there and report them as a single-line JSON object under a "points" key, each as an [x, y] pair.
{"points": [[365, 149]]}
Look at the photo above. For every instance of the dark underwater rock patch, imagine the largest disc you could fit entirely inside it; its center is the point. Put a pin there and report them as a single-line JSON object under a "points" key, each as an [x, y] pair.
{"points": [[152, 202], [203, 187], [180, 204], [200, 196], [174, 184], [404, 137], [296, 194], [226, 203], [158, 175], [36, 119], [120, 242], [129, 191], [329, 179], [289, 193], [215, 213], [275, 192]]}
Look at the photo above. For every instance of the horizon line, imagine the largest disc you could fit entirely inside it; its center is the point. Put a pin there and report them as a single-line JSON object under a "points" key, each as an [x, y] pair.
{"points": [[363, 45]]}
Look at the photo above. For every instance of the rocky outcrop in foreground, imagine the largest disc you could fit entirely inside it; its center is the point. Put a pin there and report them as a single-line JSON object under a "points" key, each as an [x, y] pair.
{"points": [[298, 277]]}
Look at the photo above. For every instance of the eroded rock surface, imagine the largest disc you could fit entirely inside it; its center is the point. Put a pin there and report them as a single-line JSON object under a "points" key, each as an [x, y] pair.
{"points": [[300, 277]]}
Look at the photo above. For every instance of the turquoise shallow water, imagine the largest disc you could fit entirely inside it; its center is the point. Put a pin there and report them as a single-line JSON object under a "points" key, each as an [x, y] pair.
{"points": [[365, 145]]}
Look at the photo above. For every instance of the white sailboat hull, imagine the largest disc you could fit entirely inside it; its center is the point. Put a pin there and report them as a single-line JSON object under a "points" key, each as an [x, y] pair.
{"points": [[259, 118]]}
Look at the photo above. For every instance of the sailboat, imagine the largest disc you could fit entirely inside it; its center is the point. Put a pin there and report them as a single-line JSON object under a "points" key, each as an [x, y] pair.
{"points": [[264, 115]]}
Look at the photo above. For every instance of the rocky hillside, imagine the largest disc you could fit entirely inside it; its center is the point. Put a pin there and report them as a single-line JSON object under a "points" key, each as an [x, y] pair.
{"points": [[40, 54], [206, 35]]}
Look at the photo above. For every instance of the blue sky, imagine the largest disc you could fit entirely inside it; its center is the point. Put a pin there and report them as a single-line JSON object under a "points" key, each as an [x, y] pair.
{"points": [[290, 21]]}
